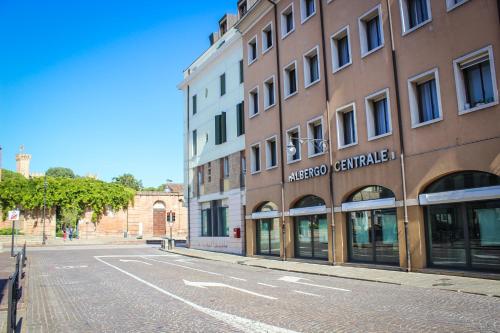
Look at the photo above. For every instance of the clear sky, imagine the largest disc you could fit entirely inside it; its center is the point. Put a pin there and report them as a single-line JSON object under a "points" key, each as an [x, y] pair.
{"points": [[91, 84]]}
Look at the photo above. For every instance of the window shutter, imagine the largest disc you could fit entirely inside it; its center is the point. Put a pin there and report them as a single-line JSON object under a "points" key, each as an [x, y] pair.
{"points": [[241, 71], [217, 130], [223, 131], [240, 118]]}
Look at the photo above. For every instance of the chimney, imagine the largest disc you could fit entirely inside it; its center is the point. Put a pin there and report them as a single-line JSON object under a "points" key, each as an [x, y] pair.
{"points": [[213, 37]]}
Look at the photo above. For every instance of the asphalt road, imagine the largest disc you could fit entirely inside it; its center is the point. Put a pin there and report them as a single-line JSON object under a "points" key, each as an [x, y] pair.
{"points": [[145, 290]]}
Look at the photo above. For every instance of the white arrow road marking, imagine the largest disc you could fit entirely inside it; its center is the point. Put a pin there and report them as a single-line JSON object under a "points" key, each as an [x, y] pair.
{"points": [[186, 267], [304, 293], [236, 278], [265, 284], [295, 279], [240, 323], [204, 285], [136, 255], [133, 260], [71, 267]]}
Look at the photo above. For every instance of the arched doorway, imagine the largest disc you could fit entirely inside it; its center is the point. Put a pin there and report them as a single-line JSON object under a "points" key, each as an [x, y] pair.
{"points": [[372, 226], [462, 218], [159, 219], [311, 228], [267, 229]]}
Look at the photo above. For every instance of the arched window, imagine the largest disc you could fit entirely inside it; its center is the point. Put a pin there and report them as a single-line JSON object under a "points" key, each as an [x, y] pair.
{"points": [[159, 205], [372, 192], [462, 181], [309, 201], [267, 207]]}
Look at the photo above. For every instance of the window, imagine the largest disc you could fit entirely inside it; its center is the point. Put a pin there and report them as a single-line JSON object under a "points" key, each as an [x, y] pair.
{"points": [[255, 158], [287, 22], [293, 137], [370, 31], [378, 115], [346, 126], [267, 38], [240, 119], [220, 129], [452, 4], [214, 219], [290, 85], [195, 104], [307, 9], [242, 8], [209, 171], [201, 179], [195, 143], [311, 67], [222, 28], [241, 71], [252, 50], [253, 99], [271, 153], [425, 100], [269, 99], [222, 80], [315, 131], [476, 80], [415, 13], [226, 166], [341, 49]]}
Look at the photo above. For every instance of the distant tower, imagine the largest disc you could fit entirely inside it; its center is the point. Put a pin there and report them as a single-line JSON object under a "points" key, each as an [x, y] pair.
{"points": [[23, 162]]}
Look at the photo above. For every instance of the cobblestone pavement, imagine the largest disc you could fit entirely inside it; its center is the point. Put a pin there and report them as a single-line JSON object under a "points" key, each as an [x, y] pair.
{"points": [[146, 290]]}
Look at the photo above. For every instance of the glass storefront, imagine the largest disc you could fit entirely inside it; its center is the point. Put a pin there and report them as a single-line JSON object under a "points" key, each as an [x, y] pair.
{"points": [[311, 231], [464, 235], [373, 233], [268, 237]]}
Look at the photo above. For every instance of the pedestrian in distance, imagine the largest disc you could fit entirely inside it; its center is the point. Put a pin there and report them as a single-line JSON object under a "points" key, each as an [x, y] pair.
{"points": [[70, 233], [64, 233]]}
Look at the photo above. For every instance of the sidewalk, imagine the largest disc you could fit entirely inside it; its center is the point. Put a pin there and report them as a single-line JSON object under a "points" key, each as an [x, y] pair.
{"points": [[5, 241], [421, 280]]}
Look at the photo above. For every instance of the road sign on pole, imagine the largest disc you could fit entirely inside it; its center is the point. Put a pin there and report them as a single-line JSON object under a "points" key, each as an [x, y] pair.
{"points": [[13, 216]]}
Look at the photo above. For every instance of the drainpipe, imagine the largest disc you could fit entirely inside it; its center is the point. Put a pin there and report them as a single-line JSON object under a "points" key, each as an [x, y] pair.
{"points": [[188, 170], [401, 139], [282, 146], [328, 116]]}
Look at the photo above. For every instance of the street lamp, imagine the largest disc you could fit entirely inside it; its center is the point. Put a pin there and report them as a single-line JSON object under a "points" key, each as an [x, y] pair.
{"points": [[44, 206], [291, 149]]}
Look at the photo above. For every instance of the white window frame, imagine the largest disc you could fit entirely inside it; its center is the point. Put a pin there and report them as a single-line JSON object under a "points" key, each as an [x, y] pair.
{"points": [[450, 5], [289, 159], [283, 21], [310, 135], [340, 125], [268, 152], [405, 18], [251, 106], [303, 18], [305, 58], [252, 40], [370, 111], [460, 83], [413, 100], [363, 33], [253, 170], [335, 55], [287, 80], [226, 165], [266, 93], [270, 27]]}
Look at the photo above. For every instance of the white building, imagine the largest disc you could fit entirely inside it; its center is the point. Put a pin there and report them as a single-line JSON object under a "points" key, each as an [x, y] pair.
{"points": [[214, 143]]}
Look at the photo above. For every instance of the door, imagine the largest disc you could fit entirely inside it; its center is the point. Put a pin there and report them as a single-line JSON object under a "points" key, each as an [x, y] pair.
{"points": [[311, 237], [268, 237], [159, 223]]}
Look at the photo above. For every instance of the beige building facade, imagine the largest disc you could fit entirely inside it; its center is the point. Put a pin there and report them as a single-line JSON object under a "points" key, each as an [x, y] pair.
{"points": [[380, 144]]}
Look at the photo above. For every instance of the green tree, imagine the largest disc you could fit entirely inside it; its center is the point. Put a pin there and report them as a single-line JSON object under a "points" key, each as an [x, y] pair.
{"points": [[7, 174], [60, 172], [129, 181]]}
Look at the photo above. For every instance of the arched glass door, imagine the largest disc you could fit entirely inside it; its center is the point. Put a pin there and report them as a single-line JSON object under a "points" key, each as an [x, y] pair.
{"points": [[268, 232], [464, 232], [311, 230], [373, 233]]}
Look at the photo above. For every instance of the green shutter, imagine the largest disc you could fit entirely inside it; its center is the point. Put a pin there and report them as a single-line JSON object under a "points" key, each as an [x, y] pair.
{"points": [[217, 130], [241, 71], [238, 119], [223, 131]]}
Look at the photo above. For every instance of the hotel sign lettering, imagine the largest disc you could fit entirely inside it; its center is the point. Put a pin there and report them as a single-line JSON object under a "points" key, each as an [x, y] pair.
{"points": [[360, 161], [308, 173]]}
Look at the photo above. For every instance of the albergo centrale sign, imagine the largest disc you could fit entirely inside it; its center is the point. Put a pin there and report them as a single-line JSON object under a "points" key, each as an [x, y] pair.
{"points": [[364, 160], [308, 173]]}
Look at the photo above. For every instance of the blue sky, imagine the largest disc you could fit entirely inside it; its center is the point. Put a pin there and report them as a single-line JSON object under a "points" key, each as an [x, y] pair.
{"points": [[91, 84]]}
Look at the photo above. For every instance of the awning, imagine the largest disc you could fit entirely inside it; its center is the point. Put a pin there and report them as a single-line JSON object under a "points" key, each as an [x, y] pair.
{"points": [[266, 215], [472, 194], [308, 211], [369, 204]]}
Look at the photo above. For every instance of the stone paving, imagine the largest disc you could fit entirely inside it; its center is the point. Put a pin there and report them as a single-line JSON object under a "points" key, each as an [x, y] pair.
{"points": [[147, 290]]}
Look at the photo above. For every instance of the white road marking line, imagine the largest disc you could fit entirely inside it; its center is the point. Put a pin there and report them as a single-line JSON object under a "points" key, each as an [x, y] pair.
{"points": [[217, 284], [71, 267], [305, 293], [187, 261], [295, 279], [243, 324], [133, 260], [136, 255], [267, 285], [186, 267], [236, 278]]}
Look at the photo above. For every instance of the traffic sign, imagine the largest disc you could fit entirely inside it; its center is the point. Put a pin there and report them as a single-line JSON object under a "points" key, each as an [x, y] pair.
{"points": [[13, 215]]}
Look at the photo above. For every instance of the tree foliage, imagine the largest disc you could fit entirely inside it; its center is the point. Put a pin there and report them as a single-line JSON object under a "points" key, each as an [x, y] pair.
{"points": [[7, 174], [78, 194], [129, 180], [60, 172]]}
